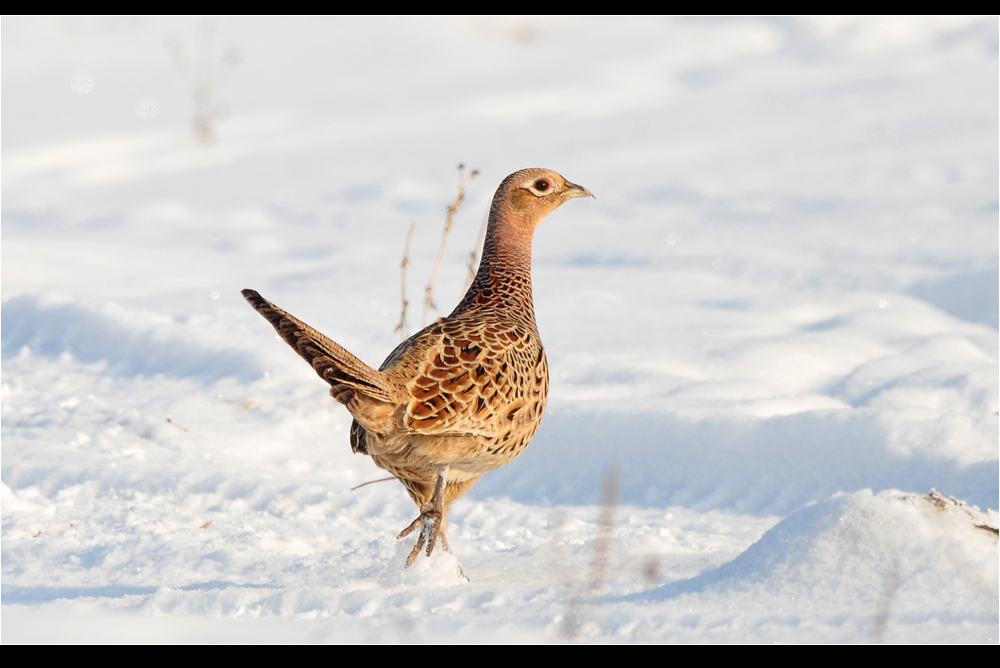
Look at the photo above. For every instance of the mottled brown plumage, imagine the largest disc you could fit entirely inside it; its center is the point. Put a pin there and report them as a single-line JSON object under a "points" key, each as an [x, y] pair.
{"points": [[464, 395]]}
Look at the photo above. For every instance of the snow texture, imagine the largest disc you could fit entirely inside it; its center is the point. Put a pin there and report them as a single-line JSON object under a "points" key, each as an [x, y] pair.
{"points": [[775, 327]]}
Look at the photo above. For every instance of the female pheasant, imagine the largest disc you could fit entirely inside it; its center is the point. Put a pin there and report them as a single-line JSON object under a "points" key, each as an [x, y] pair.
{"points": [[465, 395]]}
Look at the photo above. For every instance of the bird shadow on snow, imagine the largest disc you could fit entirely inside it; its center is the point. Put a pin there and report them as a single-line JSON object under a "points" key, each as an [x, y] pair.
{"points": [[52, 330], [746, 465]]}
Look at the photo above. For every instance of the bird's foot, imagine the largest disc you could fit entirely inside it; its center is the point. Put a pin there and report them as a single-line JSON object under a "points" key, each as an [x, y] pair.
{"points": [[429, 524], [430, 521]]}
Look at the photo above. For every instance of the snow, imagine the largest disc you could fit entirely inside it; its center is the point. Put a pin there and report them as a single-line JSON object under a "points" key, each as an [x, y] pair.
{"points": [[776, 325]]}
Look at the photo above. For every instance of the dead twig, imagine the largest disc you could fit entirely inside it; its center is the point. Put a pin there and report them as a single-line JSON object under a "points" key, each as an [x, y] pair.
{"points": [[449, 221], [474, 255], [171, 422], [890, 586], [610, 491], [372, 482], [569, 625], [401, 327], [203, 76], [583, 598]]}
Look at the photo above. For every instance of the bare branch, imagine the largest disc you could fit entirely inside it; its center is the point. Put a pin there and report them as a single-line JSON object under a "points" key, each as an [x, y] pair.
{"points": [[372, 482], [582, 604], [203, 76], [401, 327], [449, 221], [890, 585], [474, 255], [610, 491]]}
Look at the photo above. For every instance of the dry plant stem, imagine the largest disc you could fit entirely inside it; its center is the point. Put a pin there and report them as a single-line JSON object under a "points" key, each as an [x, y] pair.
{"points": [[449, 221], [570, 624], [473, 262], [401, 327], [602, 544], [203, 77], [372, 482], [889, 588], [577, 605]]}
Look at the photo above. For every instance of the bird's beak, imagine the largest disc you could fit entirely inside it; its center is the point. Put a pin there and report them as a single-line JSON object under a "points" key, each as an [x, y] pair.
{"points": [[573, 190]]}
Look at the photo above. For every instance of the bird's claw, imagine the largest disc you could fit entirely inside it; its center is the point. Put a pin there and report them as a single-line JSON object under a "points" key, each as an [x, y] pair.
{"points": [[413, 525], [430, 525]]}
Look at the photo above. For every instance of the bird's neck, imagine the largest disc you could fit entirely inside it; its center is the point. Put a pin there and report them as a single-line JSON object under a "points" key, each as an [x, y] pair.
{"points": [[503, 282]]}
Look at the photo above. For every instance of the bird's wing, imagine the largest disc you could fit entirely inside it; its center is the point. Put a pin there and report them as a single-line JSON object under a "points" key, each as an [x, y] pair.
{"points": [[331, 361], [471, 378]]}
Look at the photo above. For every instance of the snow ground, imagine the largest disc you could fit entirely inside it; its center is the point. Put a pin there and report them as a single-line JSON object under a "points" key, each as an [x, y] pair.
{"points": [[777, 325]]}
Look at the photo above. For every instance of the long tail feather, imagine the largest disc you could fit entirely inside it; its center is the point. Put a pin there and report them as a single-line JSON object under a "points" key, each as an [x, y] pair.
{"points": [[331, 361]]}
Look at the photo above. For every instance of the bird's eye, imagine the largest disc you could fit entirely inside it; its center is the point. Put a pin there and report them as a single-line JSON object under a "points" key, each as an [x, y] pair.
{"points": [[542, 185]]}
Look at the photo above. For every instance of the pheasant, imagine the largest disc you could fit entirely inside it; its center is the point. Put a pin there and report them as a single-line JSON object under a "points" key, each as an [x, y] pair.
{"points": [[464, 395]]}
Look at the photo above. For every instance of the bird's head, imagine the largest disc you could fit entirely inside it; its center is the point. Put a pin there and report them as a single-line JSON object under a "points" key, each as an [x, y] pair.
{"points": [[530, 195]]}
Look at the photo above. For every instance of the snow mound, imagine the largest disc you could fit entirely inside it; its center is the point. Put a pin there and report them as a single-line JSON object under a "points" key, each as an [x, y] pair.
{"points": [[924, 567], [441, 569]]}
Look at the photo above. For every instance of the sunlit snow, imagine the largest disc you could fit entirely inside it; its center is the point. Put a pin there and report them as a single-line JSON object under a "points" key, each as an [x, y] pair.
{"points": [[775, 327]]}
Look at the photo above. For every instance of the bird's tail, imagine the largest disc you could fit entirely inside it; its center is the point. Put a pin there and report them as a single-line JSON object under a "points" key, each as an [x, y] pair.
{"points": [[331, 361]]}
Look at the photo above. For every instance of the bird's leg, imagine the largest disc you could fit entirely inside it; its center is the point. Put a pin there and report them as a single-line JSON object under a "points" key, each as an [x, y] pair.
{"points": [[438, 512], [431, 517]]}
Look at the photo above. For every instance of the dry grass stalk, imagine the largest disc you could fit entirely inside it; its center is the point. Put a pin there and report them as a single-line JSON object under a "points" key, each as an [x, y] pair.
{"points": [[372, 482], [401, 327], [889, 588], [582, 603], [610, 492], [474, 255], [449, 221], [203, 76], [569, 625]]}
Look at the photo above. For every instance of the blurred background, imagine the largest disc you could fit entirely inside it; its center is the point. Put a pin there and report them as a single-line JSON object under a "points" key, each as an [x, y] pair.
{"points": [[867, 139]]}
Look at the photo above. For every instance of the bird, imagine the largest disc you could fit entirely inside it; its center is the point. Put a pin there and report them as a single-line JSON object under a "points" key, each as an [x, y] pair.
{"points": [[464, 395]]}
